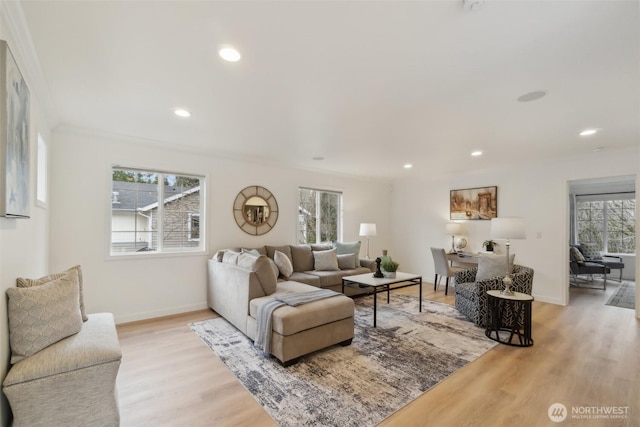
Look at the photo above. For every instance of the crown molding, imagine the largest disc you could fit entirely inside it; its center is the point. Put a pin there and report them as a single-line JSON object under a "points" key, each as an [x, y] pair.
{"points": [[16, 33]]}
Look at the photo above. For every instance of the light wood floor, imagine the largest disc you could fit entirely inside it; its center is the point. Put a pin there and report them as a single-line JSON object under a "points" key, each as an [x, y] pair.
{"points": [[586, 354]]}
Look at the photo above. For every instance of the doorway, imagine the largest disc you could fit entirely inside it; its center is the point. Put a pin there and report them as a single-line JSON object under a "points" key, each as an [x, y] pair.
{"points": [[602, 219]]}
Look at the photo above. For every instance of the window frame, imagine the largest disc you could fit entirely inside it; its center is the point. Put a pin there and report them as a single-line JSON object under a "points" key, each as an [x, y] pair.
{"points": [[318, 221], [162, 250], [604, 198]]}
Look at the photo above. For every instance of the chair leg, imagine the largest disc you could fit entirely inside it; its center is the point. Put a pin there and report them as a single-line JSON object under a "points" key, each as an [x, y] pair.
{"points": [[435, 283], [446, 287]]}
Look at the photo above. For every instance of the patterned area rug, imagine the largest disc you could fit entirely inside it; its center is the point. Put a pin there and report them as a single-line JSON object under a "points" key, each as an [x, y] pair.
{"points": [[625, 296], [359, 385]]}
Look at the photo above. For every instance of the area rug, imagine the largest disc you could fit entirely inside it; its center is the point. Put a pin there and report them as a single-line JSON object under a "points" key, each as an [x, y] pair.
{"points": [[359, 385], [625, 296]]}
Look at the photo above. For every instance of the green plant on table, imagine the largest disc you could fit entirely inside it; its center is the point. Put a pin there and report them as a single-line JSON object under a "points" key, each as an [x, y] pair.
{"points": [[489, 244], [389, 265]]}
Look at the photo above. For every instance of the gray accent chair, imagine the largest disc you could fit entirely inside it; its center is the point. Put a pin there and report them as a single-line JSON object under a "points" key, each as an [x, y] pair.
{"points": [[471, 295], [71, 382], [581, 266]]}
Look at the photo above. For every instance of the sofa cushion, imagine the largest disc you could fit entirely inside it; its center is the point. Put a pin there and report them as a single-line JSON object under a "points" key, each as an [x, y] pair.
{"points": [[321, 246], [334, 278], [302, 257], [306, 278], [26, 283], [42, 315], [347, 261], [290, 320], [96, 343], [344, 248], [285, 249], [262, 268], [325, 260], [283, 263]]}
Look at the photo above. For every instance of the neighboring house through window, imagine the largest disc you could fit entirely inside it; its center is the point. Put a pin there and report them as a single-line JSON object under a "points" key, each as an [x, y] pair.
{"points": [[154, 211], [319, 216]]}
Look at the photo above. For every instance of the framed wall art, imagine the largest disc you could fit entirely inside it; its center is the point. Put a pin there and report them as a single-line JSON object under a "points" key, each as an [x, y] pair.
{"points": [[473, 203], [14, 138]]}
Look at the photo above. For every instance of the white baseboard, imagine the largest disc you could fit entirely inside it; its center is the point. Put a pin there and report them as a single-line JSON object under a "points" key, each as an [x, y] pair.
{"points": [[126, 318], [548, 300]]}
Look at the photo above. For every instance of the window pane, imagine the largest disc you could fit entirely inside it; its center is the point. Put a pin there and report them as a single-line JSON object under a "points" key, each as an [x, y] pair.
{"points": [[136, 208], [610, 224], [318, 216]]}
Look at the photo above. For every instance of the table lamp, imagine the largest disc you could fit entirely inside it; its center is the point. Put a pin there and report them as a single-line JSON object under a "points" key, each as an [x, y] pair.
{"points": [[507, 228], [367, 230], [453, 228]]}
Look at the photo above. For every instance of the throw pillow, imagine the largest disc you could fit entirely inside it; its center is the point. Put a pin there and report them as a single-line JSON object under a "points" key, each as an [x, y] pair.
{"points": [[345, 248], [284, 264], [347, 261], [274, 268], [27, 283], [577, 256], [253, 252], [326, 260], [302, 257], [285, 249], [43, 315], [490, 266]]}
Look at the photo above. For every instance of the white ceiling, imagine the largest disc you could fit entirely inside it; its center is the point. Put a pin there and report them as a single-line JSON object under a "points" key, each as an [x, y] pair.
{"points": [[369, 86]]}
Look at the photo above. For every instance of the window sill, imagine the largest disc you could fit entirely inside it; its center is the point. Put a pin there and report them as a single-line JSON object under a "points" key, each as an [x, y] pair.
{"points": [[155, 255]]}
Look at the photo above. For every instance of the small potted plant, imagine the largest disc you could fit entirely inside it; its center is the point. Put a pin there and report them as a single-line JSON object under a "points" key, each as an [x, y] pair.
{"points": [[389, 267], [489, 244]]}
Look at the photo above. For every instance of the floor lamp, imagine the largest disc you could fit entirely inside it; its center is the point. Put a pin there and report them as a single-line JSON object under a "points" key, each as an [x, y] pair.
{"points": [[507, 228], [367, 230]]}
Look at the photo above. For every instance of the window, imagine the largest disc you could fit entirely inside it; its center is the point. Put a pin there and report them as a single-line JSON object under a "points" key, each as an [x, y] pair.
{"points": [[319, 216], [153, 211], [607, 220]]}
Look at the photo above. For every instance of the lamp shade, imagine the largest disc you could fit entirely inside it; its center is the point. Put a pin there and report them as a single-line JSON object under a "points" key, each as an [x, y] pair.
{"points": [[507, 228], [454, 228], [367, 230]]}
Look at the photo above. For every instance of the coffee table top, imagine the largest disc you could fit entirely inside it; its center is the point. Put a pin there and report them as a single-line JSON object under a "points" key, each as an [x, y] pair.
{"points": [[368, 279]]}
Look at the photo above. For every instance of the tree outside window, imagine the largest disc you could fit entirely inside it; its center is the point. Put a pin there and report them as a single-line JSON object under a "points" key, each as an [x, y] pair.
{"points": [[319, 216], [610, 224]]}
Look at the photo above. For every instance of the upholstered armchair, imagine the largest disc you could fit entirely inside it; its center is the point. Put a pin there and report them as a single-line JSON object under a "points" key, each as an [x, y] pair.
{"points": [[471, 295]]}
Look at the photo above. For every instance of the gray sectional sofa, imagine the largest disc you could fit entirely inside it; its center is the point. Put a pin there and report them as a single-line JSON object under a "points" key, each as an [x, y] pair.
{"points": [[240, 280]]}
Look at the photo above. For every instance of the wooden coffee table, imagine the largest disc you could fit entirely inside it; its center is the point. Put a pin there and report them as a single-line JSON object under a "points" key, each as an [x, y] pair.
{"points": [[375, 285]]}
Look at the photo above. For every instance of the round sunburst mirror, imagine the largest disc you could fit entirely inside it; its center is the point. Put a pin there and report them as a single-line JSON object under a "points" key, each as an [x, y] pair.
{"points": [[255, 210]]}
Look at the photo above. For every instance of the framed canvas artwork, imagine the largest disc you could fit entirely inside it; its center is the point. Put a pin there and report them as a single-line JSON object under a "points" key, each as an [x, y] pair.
{"points": [[473, 203], [14, 138]]}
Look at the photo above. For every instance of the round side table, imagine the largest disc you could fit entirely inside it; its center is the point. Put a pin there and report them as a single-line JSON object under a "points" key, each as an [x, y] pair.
{"points": [[520, 305]]}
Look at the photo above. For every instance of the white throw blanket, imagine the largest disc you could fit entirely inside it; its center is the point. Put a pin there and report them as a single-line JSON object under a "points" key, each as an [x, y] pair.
{"points": [[266, 309]]}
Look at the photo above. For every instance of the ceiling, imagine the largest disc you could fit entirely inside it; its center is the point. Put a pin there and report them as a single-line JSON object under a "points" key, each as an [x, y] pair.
{"points": [[368, 86]]}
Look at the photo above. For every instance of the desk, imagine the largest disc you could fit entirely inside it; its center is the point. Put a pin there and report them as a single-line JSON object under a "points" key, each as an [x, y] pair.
{"points": [[466, 260]]}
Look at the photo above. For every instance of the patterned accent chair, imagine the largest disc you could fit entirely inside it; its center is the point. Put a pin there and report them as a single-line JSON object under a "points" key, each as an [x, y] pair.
{"points": [[471, 296]]}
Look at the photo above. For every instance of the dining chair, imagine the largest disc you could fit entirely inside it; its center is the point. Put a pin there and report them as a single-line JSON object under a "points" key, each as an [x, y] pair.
{"points": [[442, 268]]}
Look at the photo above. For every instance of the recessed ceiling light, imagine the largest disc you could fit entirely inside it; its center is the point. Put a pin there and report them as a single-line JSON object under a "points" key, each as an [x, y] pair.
{"points": [[588, 132], [408, 166], [532, 96], [476, 153], [229, 54], [318, 158], [181, 112]]}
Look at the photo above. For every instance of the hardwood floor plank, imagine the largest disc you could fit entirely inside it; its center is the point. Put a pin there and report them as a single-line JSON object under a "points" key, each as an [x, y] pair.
{"points": [[585, 354]]}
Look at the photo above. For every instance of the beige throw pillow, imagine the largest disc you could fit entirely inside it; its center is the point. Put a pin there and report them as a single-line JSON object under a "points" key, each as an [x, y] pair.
{"points": [[284, 263], [27, 283], [326, 260], [347, 261], [43, 315], [490, 266]]}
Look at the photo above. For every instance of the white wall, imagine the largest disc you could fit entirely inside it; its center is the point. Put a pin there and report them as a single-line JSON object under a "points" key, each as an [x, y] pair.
{"points": [[536, 192], [153, 286], [24, 243]]}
